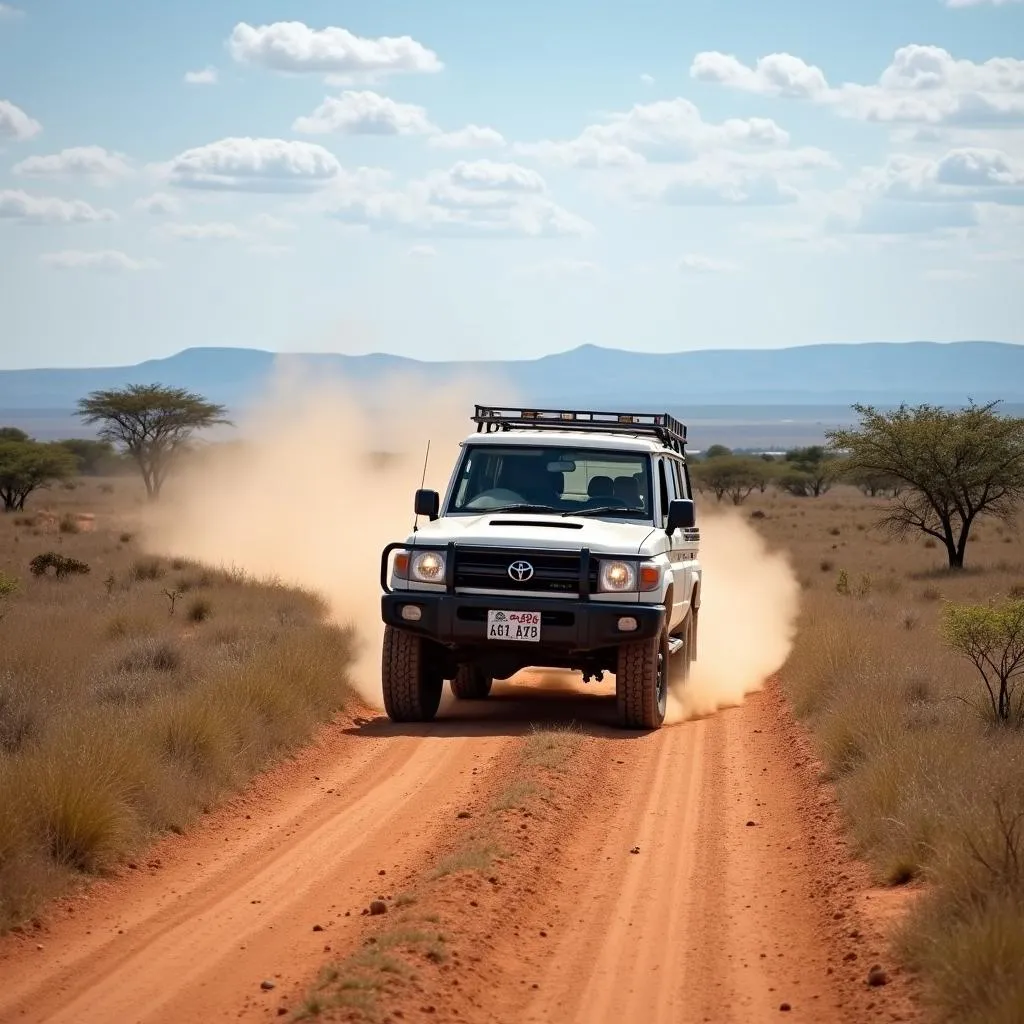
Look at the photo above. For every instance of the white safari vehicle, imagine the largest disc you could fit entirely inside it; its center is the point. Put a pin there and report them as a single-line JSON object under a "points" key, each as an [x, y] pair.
{"points": [[566, 539]]}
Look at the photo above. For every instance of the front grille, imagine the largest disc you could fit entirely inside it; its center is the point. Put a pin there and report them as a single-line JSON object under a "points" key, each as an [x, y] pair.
{"points": [[554, 572]]}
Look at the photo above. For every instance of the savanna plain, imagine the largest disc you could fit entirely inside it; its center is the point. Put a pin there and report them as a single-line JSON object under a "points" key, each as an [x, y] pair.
{"points": [[204, 815]]}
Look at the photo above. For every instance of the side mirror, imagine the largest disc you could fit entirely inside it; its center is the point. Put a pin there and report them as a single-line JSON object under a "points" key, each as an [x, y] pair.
{"points": [[427, 503], [682, 514]]}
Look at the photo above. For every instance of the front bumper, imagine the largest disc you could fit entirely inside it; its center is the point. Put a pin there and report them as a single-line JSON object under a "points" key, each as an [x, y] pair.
{"points": [[460, 620]]}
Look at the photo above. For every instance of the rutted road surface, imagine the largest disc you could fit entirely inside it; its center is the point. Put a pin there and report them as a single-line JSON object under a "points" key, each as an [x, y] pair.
{"points": [[689, 875]]}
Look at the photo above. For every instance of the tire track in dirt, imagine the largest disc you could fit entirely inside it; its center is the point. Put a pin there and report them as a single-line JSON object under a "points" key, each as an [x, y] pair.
{"points": [[692, 875], [235, 901]]}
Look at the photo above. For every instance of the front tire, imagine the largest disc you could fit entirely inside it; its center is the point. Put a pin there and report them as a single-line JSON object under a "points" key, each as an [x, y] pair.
{"points": [[411, 684], [641, 683], [470, 683]]}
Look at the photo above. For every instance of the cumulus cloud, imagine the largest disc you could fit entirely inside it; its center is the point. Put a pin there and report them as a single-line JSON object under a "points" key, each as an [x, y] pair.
{"points": [[693, 263], [292, 46], [471, 137], [208, 76], [15, 124], [107, 260], [665, 130], [365, 113], [254, 165], [965, 175], [778, 74], [29, 209], [92, 162], [471, 199], [923, 85], [160, 204]]}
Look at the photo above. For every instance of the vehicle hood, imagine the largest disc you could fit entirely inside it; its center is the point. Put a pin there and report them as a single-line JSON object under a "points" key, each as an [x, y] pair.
{"points": [[517, 529]]}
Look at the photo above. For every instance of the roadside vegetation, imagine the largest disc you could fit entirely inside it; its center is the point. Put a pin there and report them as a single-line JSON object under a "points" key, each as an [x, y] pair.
{"points": [[134, 691], [909, 669]]}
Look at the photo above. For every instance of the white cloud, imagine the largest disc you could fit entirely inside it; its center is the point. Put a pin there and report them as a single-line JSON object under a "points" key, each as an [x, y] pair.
{"points": [[160, 204], [481, 199], [967, 175], [489, 175], [270, 249], [16, 124], [922, 85], [110, 260], [254, 165], [365, 113], [471, 137], [208, 76], [695, 264], [212, 231], [292, 46], [647, 79], [665, 130], [778, 74], [422, 252], [92, 162], [18, 205]]}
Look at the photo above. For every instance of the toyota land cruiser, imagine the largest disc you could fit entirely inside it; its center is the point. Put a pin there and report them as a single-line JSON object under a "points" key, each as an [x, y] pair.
{"points": [[565, 539]]}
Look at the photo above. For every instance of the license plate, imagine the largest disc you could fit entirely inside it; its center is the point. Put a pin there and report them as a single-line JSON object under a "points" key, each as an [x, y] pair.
{"points": [[513, 626]]}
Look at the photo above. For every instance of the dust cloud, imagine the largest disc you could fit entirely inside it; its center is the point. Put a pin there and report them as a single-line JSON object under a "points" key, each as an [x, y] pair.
{"points": [[304, 496], [750, 599]]}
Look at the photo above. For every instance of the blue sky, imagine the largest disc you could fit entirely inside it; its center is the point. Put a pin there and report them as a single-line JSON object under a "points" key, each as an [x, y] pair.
{"points": [[447, 180]]}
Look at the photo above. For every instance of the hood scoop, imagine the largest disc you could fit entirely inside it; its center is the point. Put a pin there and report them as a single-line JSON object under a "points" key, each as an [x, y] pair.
{"points": [[544, 523]]}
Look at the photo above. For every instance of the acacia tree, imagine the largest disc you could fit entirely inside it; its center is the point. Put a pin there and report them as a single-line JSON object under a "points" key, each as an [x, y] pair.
{"points": [[954, 466], [153, 423], [730, 475], [28, 465], [992, 638]]}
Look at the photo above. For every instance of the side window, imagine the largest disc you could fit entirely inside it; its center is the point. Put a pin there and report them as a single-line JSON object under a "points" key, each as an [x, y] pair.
{"points": [[689, 485], [680, 486], [663, 489]]}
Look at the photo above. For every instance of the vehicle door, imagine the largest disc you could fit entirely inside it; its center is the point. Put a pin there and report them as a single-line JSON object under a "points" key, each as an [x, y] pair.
{"points": [[670, 487]]}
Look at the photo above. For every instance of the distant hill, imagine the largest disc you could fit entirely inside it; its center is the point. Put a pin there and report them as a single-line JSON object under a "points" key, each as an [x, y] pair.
{"points": [[823, 376]]}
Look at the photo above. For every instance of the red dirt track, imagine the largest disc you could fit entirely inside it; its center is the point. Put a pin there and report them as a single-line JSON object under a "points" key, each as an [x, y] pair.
{"points": [[739, 904]]}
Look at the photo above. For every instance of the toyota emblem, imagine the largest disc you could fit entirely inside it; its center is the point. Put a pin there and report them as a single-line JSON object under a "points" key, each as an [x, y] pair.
{"points": [[520, 571]]}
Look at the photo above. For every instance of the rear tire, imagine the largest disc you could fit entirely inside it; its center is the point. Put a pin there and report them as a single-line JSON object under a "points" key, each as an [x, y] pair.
{"points": [[470, 683], [641, 683], [411, 684]]}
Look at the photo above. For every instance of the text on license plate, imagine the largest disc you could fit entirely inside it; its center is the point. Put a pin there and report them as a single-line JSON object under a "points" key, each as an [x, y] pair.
{"points": [[503, 625]]}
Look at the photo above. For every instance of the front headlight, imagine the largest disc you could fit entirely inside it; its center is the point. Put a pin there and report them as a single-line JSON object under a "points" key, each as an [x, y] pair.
{"points": [[427, 567], [618, 577]]}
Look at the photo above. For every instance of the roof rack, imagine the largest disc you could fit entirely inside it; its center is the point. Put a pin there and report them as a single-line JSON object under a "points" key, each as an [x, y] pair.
{"points": [[666, 428]]}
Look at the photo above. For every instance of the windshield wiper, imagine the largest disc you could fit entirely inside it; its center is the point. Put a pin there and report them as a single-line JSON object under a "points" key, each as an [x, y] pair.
{"points": [[604, 510], [521, 508]]}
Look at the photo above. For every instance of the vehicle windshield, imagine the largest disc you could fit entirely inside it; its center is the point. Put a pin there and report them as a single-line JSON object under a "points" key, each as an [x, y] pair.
{"points": [[561, 480]]}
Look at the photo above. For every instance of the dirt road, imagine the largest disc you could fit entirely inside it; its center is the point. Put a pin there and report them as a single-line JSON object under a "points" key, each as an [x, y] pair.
{"points": [[690, 875]]}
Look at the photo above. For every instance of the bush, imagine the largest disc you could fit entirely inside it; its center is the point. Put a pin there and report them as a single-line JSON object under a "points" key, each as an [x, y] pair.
{"points": [[69, 524], [199, 610], [146, 569], [8, 584], [60, 564]]}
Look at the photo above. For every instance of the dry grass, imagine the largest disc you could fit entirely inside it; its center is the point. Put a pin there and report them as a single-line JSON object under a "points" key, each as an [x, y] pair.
{"points": [[918, 769], [119, 720]]}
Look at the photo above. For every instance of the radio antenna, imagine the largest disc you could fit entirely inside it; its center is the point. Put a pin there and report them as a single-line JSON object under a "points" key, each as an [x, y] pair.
{"points": [[423, 482]]}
